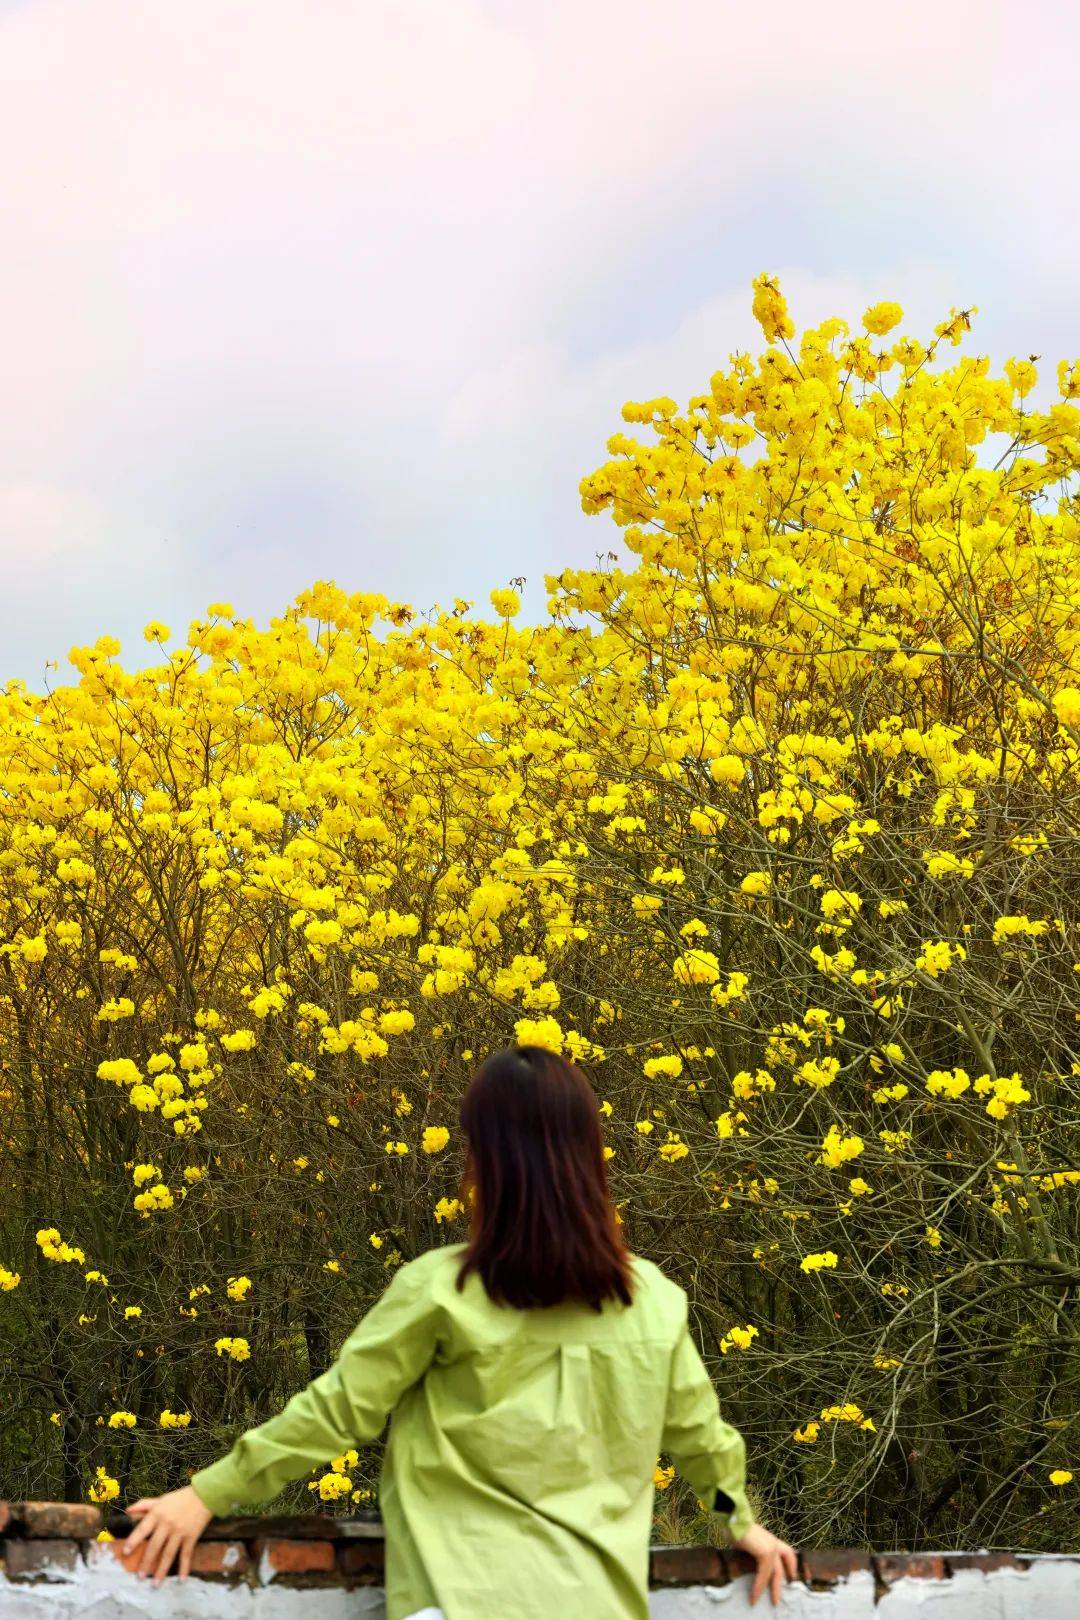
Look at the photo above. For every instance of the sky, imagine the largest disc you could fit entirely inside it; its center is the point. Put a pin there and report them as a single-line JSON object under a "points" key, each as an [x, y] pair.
{"points": [[355, 289]]}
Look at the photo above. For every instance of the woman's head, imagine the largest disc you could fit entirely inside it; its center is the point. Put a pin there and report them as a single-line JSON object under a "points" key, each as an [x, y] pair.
{"points": [[543, 1225]]}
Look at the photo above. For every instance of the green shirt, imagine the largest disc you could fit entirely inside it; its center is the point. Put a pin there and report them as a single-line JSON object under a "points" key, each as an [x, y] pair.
{"points": [[518, 1474]]}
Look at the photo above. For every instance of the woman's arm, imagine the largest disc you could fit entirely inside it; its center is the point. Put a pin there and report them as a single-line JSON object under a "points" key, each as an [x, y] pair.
{"points": [[709, 1453], [389, 1349]]}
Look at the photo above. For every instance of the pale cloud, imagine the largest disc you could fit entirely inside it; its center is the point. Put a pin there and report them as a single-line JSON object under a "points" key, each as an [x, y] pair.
{"points": [[355, 288], [69, 558]]}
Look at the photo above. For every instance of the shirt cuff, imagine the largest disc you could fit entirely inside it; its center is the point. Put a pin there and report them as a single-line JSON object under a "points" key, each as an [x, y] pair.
{"points": [[217, 1487], [735, 1506]]}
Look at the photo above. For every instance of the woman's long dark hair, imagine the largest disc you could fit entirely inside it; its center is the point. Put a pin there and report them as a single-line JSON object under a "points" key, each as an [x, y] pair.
{"points": [[543, 1224]]}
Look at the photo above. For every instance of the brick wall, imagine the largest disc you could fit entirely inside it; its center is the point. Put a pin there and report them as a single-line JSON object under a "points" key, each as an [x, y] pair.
{"points": [[53, 1566]]}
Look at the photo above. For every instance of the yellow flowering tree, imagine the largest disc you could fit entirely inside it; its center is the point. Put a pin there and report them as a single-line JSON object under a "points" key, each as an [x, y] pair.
{"points": [[772, 826]]}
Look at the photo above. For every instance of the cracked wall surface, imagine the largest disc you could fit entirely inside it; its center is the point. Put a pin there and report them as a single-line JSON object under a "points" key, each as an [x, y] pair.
{"points": [[53, 1566]]}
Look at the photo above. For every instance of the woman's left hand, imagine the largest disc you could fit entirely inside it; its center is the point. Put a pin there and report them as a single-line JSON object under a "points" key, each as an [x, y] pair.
{"points": [[169, 1528]]}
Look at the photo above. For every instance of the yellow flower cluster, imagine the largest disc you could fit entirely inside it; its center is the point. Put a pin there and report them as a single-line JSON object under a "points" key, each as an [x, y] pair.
{"points": [[157, 1197], [825, 1261], [837, 1149], [937, 957], [674, 1148], [669, 1067], [1005, 1092], [237, 1349], [696, 967], [848, 1413], [947, 1082], [818, 1072], [53, 1247], [1011, 928], [103, 1487], [738, 1338], [332, 1486]]}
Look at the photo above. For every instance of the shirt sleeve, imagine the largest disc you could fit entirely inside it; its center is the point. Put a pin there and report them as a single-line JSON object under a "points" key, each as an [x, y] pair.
{"points": [[708, 1453], [388, 1351]]}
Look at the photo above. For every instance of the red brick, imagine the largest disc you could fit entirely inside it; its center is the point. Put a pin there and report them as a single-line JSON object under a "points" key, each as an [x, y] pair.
{"points": [[75, 1519], [686, 1565], [219, 1558], [275, 1527], [739, 1563], [825, 1566], [916, 1566], [26, 1559], [361, 1558], [294, 1558], [985, 1561]]}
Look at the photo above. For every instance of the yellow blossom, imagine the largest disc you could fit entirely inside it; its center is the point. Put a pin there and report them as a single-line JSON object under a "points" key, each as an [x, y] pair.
{"points": [[669, 1067], [103, 1488], [237, 1349], [696, 967], [881, 318], [837, 1148], [818, 1262]]}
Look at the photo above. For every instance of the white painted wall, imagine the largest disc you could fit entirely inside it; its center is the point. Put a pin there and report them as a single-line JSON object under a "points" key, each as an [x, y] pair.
{"points": [[101, 1590]]}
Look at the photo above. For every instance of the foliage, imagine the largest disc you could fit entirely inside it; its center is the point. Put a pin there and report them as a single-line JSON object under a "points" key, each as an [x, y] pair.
{"points": [[774, 830]]}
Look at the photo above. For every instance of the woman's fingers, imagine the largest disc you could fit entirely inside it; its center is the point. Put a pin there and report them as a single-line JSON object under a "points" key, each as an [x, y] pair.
{"points": [[785, 1568], [774, 1568], [137, 1536], [144, 1528], [769, 1574], [164, 1535], [168, 1553], [148, 1561]]}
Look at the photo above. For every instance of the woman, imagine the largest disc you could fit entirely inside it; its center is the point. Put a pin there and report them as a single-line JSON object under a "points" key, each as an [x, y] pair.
{"points": [[534, 1374]]}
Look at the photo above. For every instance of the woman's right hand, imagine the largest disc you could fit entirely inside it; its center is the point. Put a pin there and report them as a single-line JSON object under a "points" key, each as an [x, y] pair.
{"points": [[776, 1561], [168, 1528]]}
